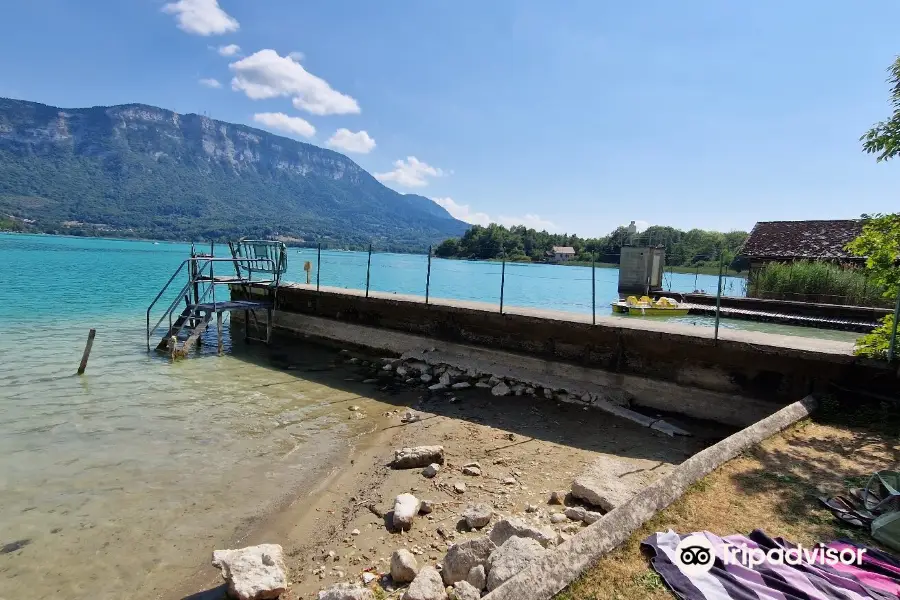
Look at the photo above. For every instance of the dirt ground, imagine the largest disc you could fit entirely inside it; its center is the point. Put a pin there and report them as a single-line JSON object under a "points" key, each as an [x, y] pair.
{"points": [[526, 448], [772, 487]]}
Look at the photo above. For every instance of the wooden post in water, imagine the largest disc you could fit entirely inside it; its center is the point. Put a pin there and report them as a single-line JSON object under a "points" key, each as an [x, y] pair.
{"points": [[502, 283], [428, 277], [87, 351], [719, 296], [368, 270], [219, 331], [318, 265], [594, 287]]}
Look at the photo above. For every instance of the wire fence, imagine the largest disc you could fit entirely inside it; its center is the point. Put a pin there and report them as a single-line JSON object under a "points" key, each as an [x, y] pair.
{"points": [[585, 287]]}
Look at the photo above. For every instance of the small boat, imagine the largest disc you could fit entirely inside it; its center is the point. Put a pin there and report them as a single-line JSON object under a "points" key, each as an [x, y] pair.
{"points": [[645, 307]]}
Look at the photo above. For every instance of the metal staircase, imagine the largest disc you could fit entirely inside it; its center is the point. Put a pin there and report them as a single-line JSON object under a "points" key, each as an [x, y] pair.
{"points": [[257, 265]]}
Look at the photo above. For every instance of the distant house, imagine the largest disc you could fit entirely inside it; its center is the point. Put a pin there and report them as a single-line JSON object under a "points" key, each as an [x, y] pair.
{"points": [[563, 253], [789, 241]]}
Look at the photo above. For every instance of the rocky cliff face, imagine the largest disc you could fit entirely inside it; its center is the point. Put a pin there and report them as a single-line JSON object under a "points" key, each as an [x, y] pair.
{"points": [[146, 169]]}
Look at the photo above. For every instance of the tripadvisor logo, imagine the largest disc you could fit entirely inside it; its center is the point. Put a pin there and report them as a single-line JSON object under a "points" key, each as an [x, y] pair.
{"points": [[695, 555]]}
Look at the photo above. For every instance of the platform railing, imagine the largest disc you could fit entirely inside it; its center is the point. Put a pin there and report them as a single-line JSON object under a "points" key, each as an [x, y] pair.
{"points": [[197, 276]]}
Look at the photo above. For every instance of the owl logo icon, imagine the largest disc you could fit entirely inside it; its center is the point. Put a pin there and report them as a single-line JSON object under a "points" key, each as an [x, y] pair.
{"points": [[694, 554]]}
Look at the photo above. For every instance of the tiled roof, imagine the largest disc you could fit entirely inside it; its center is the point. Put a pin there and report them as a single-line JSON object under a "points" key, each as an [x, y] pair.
{"points": [[563, 250], [801, 239]]}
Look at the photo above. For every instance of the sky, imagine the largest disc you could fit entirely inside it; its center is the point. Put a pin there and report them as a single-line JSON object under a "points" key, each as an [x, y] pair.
{"points": [[574, 116]]}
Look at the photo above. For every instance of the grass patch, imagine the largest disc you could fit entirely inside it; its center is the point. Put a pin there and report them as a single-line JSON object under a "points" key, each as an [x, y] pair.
{"points": [[772, 487], [809, 281]]}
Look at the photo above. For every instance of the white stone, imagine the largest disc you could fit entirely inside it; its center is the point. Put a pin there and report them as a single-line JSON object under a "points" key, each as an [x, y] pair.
{"points": [[604, 483], [436, 387], [346, 591], [472, 470], [431, 470], [477, 577], [426, 378], [557, 518], [591, 517], [388, 367], [445, 378], [463, 590], [483, 385], [462, 385], [510, 558], [406, 507], [459, 488], [478, 516], [463, 557], [419, 456], [548, 393], [576, 513], [402, 371], [501, 389], [513, 527], [403, 566], [494, 380], [426, 586], [253, 573]]}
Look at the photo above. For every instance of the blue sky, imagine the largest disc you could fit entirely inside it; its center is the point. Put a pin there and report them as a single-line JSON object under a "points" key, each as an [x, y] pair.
{"points": [[575, 116]]}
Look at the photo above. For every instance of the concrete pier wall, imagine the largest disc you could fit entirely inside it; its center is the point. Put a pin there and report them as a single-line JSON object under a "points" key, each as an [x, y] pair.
{"points": [[772, 368]]}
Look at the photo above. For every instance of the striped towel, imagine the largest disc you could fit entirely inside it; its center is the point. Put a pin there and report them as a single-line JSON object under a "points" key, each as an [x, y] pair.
{"points": [[877, 577]]}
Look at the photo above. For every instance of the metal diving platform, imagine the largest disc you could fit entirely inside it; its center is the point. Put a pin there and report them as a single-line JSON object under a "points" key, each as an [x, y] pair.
{"points": [[257, 263]]}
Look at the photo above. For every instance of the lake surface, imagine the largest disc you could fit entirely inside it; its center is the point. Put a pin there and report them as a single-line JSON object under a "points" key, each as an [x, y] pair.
{"points": [[121, 480]]}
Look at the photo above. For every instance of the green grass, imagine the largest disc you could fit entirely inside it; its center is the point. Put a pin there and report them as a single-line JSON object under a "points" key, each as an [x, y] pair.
{"points": [[808, 281]]}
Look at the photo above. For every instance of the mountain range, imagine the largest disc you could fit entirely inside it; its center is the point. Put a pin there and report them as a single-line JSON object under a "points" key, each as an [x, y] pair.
{"points": [[143, 171]]}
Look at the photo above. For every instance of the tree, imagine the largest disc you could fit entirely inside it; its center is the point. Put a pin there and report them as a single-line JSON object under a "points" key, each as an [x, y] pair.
{"points": [[879, 241], [884, 137]]}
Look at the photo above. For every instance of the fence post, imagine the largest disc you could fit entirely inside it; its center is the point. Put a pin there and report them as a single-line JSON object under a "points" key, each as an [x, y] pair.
{"points": [[368, 270], [502, 283], [318, 265], [428, 277], [719, 297], [893, 343], [593, 288]]}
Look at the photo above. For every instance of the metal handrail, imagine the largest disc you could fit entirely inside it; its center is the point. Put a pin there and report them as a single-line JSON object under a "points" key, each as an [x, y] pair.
{"points": [[208, 260]]}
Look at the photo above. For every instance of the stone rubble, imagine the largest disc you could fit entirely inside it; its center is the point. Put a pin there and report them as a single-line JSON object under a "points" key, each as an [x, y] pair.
{"points": [[514, 527], [478, 516], [426, 586], [253, 573], [461, 558], [463, 590], [406, 507], [514, 555], [417, 457], [346, 591], [404, 566]]}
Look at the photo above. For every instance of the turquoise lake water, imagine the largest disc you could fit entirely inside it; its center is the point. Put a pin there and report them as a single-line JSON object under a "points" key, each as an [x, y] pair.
{"points": [[123, 480]]}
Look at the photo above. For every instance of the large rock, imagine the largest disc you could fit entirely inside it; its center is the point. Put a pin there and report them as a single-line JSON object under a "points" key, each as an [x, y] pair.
{"points": [[406, 507], [501, 389], [609, 482], [253, 573], [462, 557], [426, 586], [510, 558], [419, 456], [477, 577], [478, 516], [463, 590], [404, 567], [513, 527], [346, 591]]}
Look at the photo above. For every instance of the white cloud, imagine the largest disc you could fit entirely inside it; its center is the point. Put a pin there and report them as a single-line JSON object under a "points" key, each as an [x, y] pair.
{"points": [[410, 173], [268, 75], [210, 83], [296, 56], [346, 140], [529, 220], [464, 212], [285, 123], [229, 50], [202, 17]]}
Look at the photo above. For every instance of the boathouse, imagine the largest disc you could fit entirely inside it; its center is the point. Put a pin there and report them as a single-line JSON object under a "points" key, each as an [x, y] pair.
{"points": [[789, 241]]}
